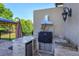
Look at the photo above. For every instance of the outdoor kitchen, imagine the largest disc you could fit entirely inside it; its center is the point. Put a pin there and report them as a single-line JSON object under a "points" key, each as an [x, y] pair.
{"points": [[55, 34], [56, 24]]}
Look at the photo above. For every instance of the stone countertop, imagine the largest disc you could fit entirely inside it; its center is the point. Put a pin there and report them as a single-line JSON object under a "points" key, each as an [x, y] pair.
{"points": [[24, 39]]}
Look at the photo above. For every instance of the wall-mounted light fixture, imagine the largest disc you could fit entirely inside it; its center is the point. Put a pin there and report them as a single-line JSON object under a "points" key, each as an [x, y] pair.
{"points": [[67, 12]]}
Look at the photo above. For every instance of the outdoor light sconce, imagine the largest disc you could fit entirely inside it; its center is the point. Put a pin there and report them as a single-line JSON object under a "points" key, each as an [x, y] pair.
{"points": [[67, 12]]}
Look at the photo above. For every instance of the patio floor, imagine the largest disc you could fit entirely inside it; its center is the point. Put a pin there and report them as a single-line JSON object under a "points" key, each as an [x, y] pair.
{"points": [[59, 50], [4, 51]]}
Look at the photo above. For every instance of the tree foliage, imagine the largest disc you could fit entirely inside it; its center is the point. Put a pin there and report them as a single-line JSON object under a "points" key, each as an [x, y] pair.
{"points": [[5, 12], [27, 27]]}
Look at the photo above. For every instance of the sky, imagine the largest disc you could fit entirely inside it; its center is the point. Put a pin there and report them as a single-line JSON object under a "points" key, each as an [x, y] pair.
{"points": [[25, 10]]}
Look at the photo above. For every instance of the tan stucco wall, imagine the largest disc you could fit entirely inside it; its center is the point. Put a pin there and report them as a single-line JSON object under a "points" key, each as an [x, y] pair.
{"points": [[72, 24], [55, 16], [70, 28]]}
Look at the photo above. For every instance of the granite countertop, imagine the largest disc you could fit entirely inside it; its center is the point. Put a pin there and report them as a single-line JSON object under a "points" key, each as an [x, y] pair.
{"points": [[24, 39], [27, 39]]}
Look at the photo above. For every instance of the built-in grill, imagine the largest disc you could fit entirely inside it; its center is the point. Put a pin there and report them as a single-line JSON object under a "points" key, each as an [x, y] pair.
{"points": [[45, 42], [45, 37]]}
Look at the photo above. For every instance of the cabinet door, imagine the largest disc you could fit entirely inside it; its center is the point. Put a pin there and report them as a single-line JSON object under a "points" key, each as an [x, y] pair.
{"points": [[28, 49]]}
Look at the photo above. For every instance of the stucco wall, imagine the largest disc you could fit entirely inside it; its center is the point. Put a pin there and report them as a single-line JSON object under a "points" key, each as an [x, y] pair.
{"points": [[72, 24], [55, 16], [70, 28]]}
